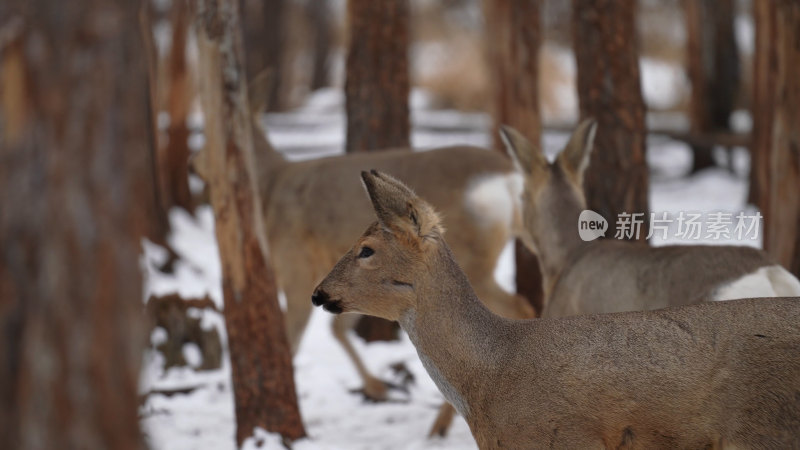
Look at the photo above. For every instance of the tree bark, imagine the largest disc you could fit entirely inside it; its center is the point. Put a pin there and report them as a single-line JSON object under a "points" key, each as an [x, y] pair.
{"points": [[763, 108], [376, 96], [713, 68], [264, 24], [263, 382], [609, 90], [377, 85], [319, 13], [514, 28], [77, 191], [174, 154], [782, 215]]}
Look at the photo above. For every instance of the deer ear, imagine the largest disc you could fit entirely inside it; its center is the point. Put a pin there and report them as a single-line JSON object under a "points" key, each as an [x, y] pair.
{"points": [[575, 157], [398, 208], [527, 157]]}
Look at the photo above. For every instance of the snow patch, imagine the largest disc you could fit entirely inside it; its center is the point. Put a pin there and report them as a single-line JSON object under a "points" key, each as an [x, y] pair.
{"points": [[495, 199]]}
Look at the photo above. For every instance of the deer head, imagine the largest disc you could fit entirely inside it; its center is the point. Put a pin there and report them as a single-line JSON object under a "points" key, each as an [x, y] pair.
{"points": [[553, 195], [379, 275]]}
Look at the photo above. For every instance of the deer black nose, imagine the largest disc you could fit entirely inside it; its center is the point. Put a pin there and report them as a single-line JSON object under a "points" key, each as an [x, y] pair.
{"points": [[319, 297]]}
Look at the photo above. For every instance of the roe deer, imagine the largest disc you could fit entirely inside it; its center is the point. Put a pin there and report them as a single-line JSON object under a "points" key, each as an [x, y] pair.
{"points": [[712, 375], [609, 275], [307, 228]]}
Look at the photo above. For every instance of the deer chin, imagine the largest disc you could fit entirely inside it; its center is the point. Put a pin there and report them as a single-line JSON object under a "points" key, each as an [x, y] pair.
{"points": [[334, 307]]}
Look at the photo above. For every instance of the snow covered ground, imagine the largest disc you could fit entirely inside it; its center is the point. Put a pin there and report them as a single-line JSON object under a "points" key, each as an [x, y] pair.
{"points": [[335, 418]]}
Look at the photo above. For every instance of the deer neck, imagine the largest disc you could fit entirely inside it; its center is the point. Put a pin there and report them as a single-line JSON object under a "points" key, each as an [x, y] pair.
{"points": [[556, 236], [454, 334]]}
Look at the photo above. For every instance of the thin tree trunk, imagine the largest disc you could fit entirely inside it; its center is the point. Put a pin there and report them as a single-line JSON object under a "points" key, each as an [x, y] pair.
{"points": [[157, 94], [174, 154], [264, 23], [514, 30], [77, 198], [782, 233], [713, 67], [763, 105], [263, 382], [609, 91], [319, 17], [377, 85]]}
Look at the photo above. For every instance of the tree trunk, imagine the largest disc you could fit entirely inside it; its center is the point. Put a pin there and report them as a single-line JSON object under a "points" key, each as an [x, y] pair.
{"points": [[782, 224], [377, 85], [514, 28], [319, 18], [376, 96], [264, 24], [263, 383], [174, 154], [764, 64], [609, 91], [78, 196], [713, 68]]}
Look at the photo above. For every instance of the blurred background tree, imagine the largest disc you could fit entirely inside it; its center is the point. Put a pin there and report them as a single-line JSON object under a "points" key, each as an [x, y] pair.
{"points": [[714, 71], [265, 32], [79, 196], [376, 96], [777, 128], [377, 84], [513, 56], [609, 90]]}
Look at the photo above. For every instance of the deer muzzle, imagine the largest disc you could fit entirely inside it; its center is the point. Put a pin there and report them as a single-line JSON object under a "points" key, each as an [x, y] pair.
{"points": [[321, 298]]}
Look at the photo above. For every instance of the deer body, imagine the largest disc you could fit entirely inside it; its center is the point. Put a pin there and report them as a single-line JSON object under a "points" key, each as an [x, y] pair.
{"points": [[609, 275], [613, 276], [677, 378], [307, 226], [713, 375]]}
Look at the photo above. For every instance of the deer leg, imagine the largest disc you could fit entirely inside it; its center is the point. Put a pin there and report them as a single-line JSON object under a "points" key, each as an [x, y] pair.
{"points": [[443, 420], [374, 389], [298, 310]]}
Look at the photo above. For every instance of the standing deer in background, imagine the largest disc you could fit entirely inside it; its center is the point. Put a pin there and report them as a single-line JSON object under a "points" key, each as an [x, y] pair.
{"points": [[307, 227], [609, 275], [713, 375]]}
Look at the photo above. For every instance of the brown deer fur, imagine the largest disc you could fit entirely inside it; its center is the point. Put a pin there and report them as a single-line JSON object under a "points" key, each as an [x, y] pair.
{"points": [[307, 228], [712, 375]]}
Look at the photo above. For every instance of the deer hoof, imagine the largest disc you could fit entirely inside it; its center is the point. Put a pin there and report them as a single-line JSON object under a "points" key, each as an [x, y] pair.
{"points": [[375, 390]]}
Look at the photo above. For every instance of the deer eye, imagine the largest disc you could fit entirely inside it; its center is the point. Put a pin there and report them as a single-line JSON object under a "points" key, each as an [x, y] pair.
{"points": [[366, 252]]}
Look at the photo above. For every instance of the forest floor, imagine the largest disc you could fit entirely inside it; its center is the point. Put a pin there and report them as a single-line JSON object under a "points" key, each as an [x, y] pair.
{"points": [[334, 417]]}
